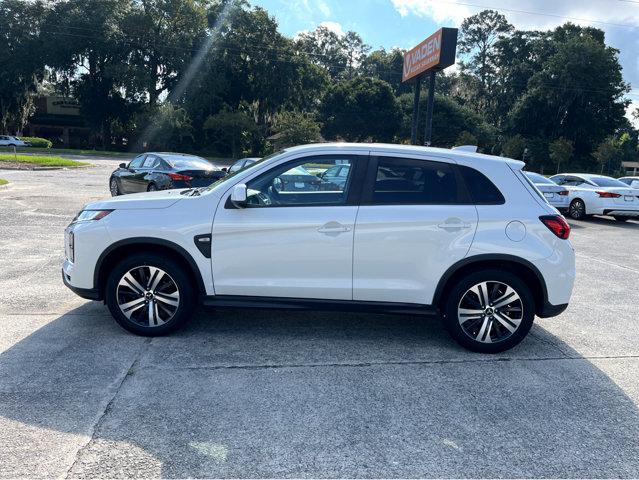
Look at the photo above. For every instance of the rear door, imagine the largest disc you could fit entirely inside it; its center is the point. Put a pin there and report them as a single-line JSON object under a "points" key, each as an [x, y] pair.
{"points": [[415, 220]]}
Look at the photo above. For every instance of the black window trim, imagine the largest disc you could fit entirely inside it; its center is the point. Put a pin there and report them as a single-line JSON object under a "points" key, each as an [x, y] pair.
{"points": [[371, 176], [354, 186]]}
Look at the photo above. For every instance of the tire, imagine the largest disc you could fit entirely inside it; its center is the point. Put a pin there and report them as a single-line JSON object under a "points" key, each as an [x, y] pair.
{"points": [[495, 329], [113, 187], [577, 209], [150, 311], [621, 219], [152, 187]]}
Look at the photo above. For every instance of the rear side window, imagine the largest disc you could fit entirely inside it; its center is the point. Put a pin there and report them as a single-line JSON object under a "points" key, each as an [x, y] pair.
{"points": [[416, 182], [480, 188]]}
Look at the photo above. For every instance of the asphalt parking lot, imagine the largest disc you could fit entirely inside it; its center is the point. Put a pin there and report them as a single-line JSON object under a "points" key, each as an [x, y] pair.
{"points": [[280, 394]]}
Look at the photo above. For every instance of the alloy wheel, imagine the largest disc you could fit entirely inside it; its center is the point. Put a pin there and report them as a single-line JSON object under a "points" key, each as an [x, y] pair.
{"points": [[113, 187], [148, 296], [577, 209], [490, 312]]}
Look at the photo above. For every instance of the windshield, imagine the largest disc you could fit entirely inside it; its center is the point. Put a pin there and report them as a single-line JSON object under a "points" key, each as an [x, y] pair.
{"points": [[606, 182], [536, 178], [181, 162], [246, 167]]}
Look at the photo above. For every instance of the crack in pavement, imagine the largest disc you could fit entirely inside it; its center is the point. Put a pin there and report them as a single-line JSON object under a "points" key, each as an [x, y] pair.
{"points": [[116, 386]]}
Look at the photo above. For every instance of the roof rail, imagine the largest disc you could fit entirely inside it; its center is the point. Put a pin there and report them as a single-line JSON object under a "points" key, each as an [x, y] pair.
{"points": [[466, 148]]}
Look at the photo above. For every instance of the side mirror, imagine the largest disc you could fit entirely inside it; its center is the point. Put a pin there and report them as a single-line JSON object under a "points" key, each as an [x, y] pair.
{"points": [[238, 195], [224, 169], [123, 165]]}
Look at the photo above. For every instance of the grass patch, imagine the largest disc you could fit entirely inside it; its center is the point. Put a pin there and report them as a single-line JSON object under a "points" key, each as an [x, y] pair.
{"points": [[3, 181], [70, 151], [41, 160]]}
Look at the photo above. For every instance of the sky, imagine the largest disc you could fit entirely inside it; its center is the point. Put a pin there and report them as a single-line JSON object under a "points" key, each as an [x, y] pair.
{"points": [[404, 23]]}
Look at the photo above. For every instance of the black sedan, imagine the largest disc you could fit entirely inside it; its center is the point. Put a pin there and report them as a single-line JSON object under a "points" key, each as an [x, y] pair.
{"points": [[161, 171]]}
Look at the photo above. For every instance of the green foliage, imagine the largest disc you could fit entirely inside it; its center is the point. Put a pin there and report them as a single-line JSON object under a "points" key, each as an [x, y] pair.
{"points": [[560, 151], [514, 147], [606, 153], [170, 129], [294, 128], [231, 133], [37, 142], [361, 109], [466, 138], [41, 160], [3, 181]]}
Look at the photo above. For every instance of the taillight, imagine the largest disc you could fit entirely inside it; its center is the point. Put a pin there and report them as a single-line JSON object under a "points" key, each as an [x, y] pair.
{"points": [[608, 194], [179, 176], [557, 225], [563, 193]]}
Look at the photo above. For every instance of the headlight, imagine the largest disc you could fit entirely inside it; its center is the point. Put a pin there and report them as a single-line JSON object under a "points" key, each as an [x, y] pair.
{"points": [[90, 215]]}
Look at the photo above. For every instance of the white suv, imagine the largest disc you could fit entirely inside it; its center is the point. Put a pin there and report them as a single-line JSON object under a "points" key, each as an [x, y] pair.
{"points": [[411, 229]]}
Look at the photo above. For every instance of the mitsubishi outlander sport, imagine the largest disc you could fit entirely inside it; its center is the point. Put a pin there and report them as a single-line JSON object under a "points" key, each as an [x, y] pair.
{"points": [[408, 229]]}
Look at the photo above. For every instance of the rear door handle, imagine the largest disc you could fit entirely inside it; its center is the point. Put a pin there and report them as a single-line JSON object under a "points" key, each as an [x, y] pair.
{"points": [[452, 224], [333, 228]]}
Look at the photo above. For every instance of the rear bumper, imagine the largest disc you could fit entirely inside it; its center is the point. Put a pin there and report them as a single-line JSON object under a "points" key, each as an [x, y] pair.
{"points": [[88, 293]]}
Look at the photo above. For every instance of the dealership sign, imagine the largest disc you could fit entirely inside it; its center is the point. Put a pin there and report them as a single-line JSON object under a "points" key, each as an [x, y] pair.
{"points": [[435, 53]]}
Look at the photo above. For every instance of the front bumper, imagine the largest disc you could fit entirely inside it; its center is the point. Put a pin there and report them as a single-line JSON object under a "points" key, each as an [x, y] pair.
{"points": [[88, 293]]}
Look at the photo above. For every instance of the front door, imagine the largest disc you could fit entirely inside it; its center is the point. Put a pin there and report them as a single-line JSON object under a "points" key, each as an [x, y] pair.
{"points": [[415, 221], [295, 237]]}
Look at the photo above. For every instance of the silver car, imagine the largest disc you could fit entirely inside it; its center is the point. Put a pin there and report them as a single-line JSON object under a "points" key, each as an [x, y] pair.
{"points": [[555, 195]]}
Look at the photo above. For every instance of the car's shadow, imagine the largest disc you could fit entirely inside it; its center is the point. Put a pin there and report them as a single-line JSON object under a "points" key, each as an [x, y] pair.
{"points": [[303, 394], [604, 221]]}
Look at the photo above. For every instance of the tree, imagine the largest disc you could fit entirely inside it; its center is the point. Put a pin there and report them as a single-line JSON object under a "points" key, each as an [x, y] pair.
{"points": [[577, 94], [325, 48], [162, 36], [230, 132], [21, 60], [361, 109], [605, 153], [514, 147], [294, 128], [170, 128], [466, 138], [560, 151], [386, 66], [478, 35]]}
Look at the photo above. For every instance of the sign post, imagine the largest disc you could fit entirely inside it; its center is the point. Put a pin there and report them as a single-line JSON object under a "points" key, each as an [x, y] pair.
{"points": [[433, 54]]}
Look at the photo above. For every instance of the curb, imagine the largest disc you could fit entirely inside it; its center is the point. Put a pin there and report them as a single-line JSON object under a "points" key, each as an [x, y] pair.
{"points": [[43, 168]]}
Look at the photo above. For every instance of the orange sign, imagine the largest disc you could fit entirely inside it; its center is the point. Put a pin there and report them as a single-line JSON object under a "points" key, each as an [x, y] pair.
{"points": [[433, 53]]}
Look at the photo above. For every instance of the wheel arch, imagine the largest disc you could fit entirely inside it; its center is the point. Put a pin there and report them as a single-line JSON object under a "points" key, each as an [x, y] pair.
{"points": [[123, 248], [516, 265]]}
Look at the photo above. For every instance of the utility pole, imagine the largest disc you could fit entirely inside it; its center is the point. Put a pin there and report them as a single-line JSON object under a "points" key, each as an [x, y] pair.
{"points": [[413, 129], [429, 110]]}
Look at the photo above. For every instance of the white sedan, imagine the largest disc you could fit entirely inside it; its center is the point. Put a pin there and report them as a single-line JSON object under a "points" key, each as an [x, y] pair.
{"points": [[9, 141], [598, 195], [632, 182], [555, 195]]}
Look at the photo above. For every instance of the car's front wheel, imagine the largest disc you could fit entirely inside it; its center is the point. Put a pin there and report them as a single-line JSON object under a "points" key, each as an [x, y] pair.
{"points": [[150, 294], [113, 187], [489, 311]]}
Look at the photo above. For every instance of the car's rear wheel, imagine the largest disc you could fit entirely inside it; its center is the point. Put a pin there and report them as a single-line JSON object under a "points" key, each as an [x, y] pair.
{"points": [[489, 311], [577, 209], [149, 295], [152, 187], [113, 187]]}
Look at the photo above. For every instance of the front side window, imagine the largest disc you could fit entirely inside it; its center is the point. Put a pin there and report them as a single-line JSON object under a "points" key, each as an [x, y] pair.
{"points": [[300, 182], [137, 161], [408, 181]]}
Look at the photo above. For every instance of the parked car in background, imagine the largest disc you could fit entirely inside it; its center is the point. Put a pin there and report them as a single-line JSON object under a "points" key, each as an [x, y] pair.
{"points": [[598, 195], [413, 229], [554, 194], [632, 182], [9, 141], [162, 171], [335, 177], [241, 163]]}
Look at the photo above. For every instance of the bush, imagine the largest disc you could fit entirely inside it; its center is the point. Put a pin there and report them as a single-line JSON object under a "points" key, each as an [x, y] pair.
{"points": [[38, 142]]}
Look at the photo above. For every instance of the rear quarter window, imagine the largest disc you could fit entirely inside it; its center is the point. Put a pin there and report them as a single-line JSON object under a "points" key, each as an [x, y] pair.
{"points": [[481, 189]]}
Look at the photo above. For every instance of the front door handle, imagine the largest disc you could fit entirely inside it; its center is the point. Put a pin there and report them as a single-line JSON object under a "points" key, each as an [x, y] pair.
{"points": [[333, 228]]}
